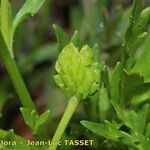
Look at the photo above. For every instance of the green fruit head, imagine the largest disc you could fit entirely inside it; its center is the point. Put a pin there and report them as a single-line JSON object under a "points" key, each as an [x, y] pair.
{"points": [[78, 73]]}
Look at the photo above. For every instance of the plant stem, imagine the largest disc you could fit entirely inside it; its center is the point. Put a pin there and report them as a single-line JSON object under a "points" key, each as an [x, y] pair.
{"points": [[18, 82], [19, 85], [8, 60], [15, 76], [5, 21], [72, 105]]}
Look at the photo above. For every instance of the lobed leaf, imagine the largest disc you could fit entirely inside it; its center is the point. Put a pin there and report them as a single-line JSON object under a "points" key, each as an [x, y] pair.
{"points": [[33, 120], [137, 120], [107, 130], [131, 118]]}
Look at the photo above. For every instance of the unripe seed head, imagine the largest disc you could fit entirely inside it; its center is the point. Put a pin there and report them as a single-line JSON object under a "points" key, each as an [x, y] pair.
{"points": [[78, 72]]}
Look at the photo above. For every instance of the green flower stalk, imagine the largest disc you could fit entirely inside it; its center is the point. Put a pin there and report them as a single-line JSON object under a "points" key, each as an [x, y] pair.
{"points": [[78, 76]]}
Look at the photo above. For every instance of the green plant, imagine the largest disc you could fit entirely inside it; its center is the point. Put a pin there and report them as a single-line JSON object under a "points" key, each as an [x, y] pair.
{"points": [[116, 100], [78, 77], [129, 88], [8, 26]]}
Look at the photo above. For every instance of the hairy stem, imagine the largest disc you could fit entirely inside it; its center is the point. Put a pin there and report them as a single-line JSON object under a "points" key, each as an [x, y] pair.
{"points": [[72, 105]]}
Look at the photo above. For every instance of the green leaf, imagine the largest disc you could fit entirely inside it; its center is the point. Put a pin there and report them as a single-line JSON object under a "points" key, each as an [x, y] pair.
{"points": [[62, 38], [10, 135], [148, 130], [30, 7], [131, 118], [136, 120], [132, 85], [105, 78], [107, 130], [97, 55], [142, 22], [142, 113], [21, 143], [91, 107], [29, 117], [141, 98], [137, 8], [138, 33], [115, 82], [43, 118], [143, 62], [32, 119], [103, 103], [135, 43], [137, 30], [121, 28], [144, 143], [76, 39], [118, 110]]}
